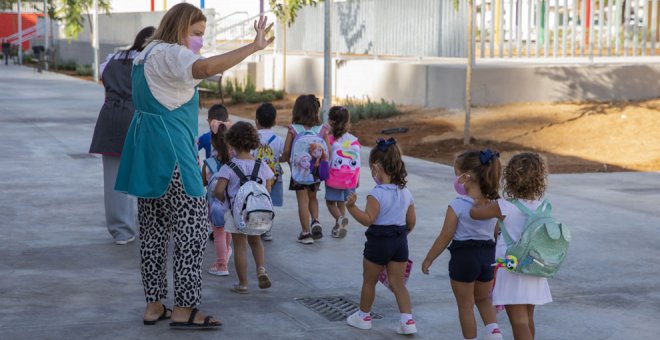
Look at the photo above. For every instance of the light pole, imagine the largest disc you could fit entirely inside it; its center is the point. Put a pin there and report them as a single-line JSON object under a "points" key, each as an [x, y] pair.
{"points": [[327, 67], [95, 39], [20, 34], [46, 35]]}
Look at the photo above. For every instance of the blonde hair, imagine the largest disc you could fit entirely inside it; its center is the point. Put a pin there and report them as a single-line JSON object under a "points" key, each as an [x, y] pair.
{"points": [[174, 26]]}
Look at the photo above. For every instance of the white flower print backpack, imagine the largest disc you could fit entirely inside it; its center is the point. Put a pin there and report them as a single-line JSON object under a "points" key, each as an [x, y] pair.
{"points": [[309, 155], [252, 208]]}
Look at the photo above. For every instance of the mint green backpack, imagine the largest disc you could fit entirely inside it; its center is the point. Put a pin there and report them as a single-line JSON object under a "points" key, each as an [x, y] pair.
{"points": [[542, 246]]}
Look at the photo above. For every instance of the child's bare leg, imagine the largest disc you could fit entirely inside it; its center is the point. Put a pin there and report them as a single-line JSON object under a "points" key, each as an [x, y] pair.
{"points": [[395, 273], [519, 318], [257, 250], [484, 304], [530, 317], [313, 205], [303, 209], [342, 208], [464, 293], [240, 257], [369, 280], [333, 209]]}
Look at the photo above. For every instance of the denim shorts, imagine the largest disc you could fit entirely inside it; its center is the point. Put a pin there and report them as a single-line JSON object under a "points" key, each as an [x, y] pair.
{"points": [[471, 260], [386, 243], [277, 193], [337, 195]]}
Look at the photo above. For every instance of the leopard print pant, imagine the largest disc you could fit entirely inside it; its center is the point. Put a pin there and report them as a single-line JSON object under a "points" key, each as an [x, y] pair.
{"points": [[186, 218]]}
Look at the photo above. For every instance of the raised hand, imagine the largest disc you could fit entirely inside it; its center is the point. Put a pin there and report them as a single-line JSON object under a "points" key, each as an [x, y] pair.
{"points": [[260, 40]]}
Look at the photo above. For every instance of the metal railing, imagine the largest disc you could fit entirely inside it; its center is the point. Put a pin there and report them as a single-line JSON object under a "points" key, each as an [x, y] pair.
{"points": [[503, 28]]}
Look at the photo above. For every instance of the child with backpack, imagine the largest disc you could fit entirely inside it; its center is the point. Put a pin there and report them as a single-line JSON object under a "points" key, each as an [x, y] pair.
{"points": [[389, 216], [344, 168], [270, 150], [306, 148], [216, 112], [244, 182], [524, 186], [472, 246], [210, 169]]}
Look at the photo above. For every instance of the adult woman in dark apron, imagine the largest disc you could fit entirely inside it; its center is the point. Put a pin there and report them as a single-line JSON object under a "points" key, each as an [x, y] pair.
{"points": [[159, 160], [110, 133]]}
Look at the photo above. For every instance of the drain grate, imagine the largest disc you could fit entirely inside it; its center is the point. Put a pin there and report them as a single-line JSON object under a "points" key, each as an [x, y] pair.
{"points": [[333, 308], [81, 156]]}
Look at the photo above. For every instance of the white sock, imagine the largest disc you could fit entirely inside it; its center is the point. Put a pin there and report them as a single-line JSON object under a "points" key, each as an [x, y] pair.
{"points": [[491, 327], [405, 317], [362, 314], [471, 339]]}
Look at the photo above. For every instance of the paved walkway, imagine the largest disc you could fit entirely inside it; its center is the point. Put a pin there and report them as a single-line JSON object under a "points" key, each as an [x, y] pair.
{"points": [[62, 277]]}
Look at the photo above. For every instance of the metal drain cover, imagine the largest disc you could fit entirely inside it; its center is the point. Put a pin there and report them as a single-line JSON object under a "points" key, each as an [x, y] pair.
{"points": [[333, 308]]}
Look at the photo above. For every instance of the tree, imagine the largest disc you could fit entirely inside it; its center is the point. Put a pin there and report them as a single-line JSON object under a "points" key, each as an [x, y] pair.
{"points": [[72, 13], [286, 12], [468, 70]]}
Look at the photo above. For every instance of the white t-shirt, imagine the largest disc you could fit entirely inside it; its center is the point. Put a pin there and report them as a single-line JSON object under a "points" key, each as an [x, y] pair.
{"points": [[277, 145], [168, 70], [118, 55], [514, 221], [394, 203]]}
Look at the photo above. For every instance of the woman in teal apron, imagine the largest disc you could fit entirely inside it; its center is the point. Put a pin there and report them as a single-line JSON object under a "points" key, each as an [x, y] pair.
{"points": [[159, 160]]}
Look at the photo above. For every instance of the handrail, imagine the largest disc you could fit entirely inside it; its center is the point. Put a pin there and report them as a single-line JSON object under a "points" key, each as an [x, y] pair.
{"points": [[12, 37]]}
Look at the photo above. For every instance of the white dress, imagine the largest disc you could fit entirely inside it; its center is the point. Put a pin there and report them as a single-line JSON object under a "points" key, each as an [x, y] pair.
{"points": [[513, 288]]}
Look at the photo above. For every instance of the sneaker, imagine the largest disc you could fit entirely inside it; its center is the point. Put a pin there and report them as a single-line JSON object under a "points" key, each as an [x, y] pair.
{"points": [[317, 230], [127, 241], [407, 328], [342, 228], [356, 321], [305, 238], [219, 270], [496, 334], [335, 229], [267, 236]]}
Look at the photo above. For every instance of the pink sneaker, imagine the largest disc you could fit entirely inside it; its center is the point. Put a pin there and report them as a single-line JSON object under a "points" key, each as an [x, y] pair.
{"points": [[356, 321], [219, 270], [496, 334], [407, 328]]}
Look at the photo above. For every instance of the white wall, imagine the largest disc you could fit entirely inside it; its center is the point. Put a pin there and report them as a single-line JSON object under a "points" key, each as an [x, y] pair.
{"points": [[223, 7]]}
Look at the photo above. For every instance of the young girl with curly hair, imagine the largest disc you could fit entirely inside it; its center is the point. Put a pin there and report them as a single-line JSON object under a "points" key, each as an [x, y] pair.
{"points": [[389, 216], [472, 245], [525, 181], [243, 138]]}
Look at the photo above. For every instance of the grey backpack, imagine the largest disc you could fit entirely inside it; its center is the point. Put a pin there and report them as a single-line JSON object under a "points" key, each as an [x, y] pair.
{"points": [[252, 207]]}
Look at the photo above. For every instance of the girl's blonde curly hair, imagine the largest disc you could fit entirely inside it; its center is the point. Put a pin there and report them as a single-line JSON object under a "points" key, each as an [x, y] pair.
{"points": [[525, 176]]}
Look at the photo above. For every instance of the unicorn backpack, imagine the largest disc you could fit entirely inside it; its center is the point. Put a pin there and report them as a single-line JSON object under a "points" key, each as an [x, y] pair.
{"points": [[344, 162], [309, 155]]}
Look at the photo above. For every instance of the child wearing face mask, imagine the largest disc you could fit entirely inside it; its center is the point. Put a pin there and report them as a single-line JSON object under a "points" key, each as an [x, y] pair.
{"points": [[389, 216], [472, 241]]}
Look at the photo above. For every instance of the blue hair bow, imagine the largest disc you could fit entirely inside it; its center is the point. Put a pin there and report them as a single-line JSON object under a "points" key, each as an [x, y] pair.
{"points": [[486, 155], [383, 144]]}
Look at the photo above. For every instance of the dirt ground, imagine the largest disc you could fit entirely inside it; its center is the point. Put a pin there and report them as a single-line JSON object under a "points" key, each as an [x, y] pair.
{"points": [[574, 137]]}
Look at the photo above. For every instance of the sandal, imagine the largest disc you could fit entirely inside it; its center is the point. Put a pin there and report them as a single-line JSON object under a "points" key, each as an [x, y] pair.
{"points": [[163, 316], [238, 289], [192, 325], [264, 280], [342, 228]]}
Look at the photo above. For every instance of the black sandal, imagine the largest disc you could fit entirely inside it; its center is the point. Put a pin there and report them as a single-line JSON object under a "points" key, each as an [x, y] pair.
{"points": [[162, 317], [192, 325]]}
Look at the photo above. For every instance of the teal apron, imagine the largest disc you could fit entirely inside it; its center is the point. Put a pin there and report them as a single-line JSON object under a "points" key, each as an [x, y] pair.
{"points": [[158, 140]]}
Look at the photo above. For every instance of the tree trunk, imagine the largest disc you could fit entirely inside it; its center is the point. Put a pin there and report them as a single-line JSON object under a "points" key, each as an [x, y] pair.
{"points": [[468, 74]]}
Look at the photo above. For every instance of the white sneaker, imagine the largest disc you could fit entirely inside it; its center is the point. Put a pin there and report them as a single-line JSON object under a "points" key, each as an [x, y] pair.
{"points": [[127, 241], [495, 335], [407, 328], [267, 236], [356, 321]]}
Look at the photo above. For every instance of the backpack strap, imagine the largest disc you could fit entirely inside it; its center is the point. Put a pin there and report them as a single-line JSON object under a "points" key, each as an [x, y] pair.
{"points": [[213, 166], [522, 207], [505, 234], [271, 139], [255, 171], [238, 172]]}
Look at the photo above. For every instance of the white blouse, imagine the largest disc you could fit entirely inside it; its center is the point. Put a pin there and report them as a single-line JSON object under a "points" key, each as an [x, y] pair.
{"points": [[168, 71]]}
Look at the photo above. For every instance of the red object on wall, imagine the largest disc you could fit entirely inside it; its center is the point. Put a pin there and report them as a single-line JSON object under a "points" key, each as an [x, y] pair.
{"points": [[9, 24]]}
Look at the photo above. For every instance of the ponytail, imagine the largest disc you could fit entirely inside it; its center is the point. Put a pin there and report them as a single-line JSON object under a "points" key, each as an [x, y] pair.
{"points": [[388, 154], [220, 144], [486, 167]]}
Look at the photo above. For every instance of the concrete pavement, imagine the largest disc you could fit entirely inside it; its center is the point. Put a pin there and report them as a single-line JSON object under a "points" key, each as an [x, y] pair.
{"points": [[62, 277]]}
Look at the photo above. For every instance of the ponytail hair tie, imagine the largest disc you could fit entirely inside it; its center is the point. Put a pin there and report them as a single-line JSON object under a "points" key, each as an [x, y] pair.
{"points": [[383, 144], [215, 125], [485, 156]]}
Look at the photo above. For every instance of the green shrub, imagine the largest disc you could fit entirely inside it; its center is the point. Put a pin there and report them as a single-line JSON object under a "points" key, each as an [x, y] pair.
{"points": [[69, 66], [248, 93], [85, 70], [229, 89], [211, 85], [368, 109]]}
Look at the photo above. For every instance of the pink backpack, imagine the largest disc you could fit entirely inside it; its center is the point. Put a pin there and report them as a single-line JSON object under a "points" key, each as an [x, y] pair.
{"points": [[344, 162]]}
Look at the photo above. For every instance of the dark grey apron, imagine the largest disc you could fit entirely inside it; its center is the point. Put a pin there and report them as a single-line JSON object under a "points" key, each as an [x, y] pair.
{"points": [[117, 111]]}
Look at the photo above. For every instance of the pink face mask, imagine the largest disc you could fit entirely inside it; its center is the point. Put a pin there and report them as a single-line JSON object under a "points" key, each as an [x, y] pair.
{"points": [[459, 187], [195, 43]]}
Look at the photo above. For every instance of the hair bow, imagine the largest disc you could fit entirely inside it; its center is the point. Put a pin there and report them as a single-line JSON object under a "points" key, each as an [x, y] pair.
{"points": [[486, 155], [383, 144], [215, 125]]}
